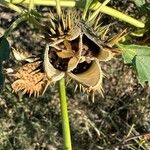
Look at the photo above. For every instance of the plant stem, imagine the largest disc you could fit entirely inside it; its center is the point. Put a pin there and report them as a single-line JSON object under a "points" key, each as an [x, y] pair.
{"points": [[115, 13], [86, 7], [31, 5], [72, 3], [68, 3], [14, 25], [96, 12], [64, 115], [11, 6], [58, 8]]}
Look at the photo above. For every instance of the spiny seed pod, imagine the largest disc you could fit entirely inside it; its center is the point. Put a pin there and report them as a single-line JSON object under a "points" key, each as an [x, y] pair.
{"points": [[73, 48], [29, 79]]}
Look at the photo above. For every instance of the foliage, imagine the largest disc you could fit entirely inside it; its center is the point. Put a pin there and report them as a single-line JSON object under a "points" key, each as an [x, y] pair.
{"points": [[4, 49], [142, 61], [4, 55], [128, 52], [138, 56], [140, 3]]}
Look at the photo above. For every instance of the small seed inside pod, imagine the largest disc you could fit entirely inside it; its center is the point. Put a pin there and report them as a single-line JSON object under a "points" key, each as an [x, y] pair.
{"points": [[57, 62], [93, 49], [60, 54], [82, 67]]}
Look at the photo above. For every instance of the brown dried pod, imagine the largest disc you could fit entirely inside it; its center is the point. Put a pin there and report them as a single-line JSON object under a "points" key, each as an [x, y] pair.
{"points": [[22, 55], [73, 48], [91, 78]]}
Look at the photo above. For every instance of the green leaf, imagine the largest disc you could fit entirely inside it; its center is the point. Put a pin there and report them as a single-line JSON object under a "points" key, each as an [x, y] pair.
{"points": [[128, 52], [4, 49], [86, 7], [142, 62], [2, 79], [4, 54], [144, 7], [35, 13], [138, 56], [139, 3]]}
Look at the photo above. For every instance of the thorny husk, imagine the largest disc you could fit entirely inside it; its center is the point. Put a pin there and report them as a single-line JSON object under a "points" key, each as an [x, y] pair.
{"points": [[74, 48]]}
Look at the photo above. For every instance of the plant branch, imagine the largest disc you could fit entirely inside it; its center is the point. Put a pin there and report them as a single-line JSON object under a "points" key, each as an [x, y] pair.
{"points": [[72, 3], [58, 8], [64, 115], [68, 3], [31, 5], [96, 12], [11, 6], [14, 25], [115, 13]]}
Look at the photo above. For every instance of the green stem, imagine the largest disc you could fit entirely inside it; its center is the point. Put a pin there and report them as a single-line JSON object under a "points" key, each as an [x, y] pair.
{"points": [[11, 6], [115, 13], [58, 8], [96, 12], [31, 5], [87, 5], [72, 3], [64, 115], [14, 25], [36, 24], [68, 3]]}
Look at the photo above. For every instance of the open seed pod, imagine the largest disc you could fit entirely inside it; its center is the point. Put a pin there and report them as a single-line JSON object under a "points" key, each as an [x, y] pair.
{"points": [[74, 48], [105, 55], [52, 73], [77, 53], [90, 78]]}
